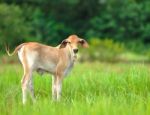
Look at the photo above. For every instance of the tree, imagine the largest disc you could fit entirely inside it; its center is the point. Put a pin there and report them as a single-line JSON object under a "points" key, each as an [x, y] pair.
{"points": [[13, 28]]}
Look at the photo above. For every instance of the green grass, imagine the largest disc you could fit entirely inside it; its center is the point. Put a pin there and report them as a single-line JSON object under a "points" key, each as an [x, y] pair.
{"points": [[90, 89]]}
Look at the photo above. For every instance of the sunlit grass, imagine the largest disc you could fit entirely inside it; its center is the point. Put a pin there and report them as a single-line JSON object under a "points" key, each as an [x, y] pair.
{"points": [[90, 89]]}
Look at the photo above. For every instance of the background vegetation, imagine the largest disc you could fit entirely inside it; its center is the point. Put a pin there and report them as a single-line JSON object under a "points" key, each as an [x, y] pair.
{"points": [[126, 22]]}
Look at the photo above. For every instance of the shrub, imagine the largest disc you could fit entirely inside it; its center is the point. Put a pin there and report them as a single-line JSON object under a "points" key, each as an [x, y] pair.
{"points": [[13, 28], [103, 49]]}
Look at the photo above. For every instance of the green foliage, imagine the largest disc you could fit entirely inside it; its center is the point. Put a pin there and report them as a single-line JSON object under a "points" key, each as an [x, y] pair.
{"points": [[104, 49], [122, 20], [13, 27], [52, 21], [113, 51]]}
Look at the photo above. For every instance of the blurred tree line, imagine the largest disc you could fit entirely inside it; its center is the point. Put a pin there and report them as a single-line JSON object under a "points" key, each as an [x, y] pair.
{"points": [[51, 21]]}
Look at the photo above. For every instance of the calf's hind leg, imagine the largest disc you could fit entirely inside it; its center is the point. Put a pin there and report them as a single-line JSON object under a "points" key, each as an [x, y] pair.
{"points": [[26, 85], [31, 89]]}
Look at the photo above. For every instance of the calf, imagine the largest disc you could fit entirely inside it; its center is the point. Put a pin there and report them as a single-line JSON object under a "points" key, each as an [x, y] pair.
{"points": [[42, 58]]}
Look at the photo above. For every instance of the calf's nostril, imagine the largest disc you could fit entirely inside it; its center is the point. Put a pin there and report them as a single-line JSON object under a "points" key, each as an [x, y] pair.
{"points": [[75, 50]]}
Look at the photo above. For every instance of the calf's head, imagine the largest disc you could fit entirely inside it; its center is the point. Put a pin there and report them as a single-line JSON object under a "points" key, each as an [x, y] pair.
{"points": [[73, 41]]}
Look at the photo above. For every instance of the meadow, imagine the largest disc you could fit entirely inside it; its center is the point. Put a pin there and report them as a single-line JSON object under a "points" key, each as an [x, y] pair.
{"points": [[90, 89]]}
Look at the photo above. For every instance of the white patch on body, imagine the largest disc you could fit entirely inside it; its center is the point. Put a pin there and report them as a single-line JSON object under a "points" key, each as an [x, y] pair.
{"points": [[68, 69], [31, 59], [71, 61], [20, 54], [47, 66]]}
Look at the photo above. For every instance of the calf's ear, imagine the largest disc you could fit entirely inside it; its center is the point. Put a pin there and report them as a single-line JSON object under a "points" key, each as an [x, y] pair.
{"points": [[63, 43], [84, 43]]}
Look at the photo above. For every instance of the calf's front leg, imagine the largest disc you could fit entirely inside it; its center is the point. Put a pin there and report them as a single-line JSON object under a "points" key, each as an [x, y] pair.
{"points": [[56, 87]]}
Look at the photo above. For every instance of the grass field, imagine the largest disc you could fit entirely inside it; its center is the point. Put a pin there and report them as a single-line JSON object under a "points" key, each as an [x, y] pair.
{"points": [[90, 89]]}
